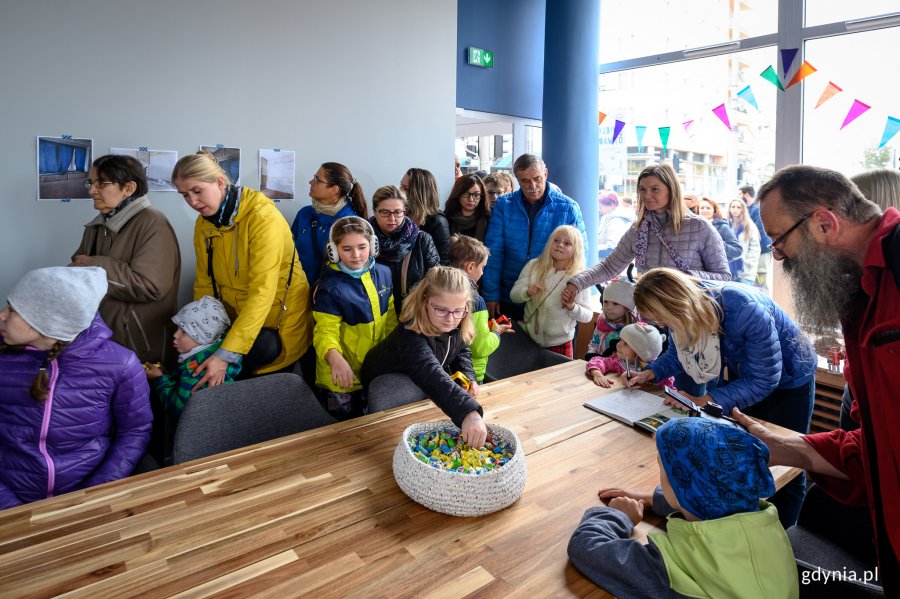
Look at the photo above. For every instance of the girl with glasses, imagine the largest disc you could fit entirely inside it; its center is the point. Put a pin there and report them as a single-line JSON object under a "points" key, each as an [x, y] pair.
{"points": [[467, 208], [431, 342], [549, 320], [334, 194], [404, 248]]}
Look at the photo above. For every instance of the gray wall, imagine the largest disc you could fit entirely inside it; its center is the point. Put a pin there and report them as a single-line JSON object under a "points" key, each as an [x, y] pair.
{"points": [[368, 84]]}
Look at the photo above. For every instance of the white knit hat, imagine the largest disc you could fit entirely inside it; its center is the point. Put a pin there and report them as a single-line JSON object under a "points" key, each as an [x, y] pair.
{"points": [[620, 291], [644, 339], [204, 320], [59, 302]]}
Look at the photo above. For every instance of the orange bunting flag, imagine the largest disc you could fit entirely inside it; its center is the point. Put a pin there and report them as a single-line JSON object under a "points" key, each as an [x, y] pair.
{"points": [[600, 117], [829, 92], [802, 73]]}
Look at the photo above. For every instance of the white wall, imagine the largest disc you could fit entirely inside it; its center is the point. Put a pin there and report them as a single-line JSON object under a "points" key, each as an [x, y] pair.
{"points": [[368, 84]]}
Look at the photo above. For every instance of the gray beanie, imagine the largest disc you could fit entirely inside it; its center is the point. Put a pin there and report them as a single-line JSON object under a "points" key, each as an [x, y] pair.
{"points": [[644, 339], [620, 291], [59, 302], [204, 320]]}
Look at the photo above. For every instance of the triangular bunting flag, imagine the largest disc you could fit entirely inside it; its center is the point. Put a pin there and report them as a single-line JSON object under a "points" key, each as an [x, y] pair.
{"points": [[857, 109], [722, 114], [830, 90], [772, 77], [787, 59], [617, 130], [664, 137], [687, 125], [601, 116], [747, 96], [640, 130], [802, 73], [890, 130]]}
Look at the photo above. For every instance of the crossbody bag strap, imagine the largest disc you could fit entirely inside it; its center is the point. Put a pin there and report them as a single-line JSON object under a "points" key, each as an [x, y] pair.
{"points": [[209, 268], [404, 271], [286, 288]]}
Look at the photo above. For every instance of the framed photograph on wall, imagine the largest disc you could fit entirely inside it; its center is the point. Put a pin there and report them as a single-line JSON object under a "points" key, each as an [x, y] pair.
{"points": [[277, 173], [229, 159], [158, 165], [63, 164]]}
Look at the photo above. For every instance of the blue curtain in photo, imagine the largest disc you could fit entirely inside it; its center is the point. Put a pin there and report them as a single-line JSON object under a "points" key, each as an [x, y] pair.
{"points": [[65, 157], [81, 159], [233, 168], [48, 157]]}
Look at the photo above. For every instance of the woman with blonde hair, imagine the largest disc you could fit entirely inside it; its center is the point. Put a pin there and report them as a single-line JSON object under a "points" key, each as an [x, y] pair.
{"points": [[771, 364], [431, 342], [664, 234], [549, 321], [247, 260], [421, 191], [748, 235], [881, 185]]}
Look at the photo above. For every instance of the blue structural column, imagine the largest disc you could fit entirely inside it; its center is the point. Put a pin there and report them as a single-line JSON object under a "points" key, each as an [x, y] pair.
{"points": [[571, 131]]}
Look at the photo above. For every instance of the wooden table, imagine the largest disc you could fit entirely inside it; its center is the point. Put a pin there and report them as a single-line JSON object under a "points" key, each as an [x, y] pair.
{"points": [[319, 513]]}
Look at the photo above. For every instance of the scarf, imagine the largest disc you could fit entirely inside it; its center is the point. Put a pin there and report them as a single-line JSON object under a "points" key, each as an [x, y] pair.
{"points": [[392, 248], [651, 221], [225, 216], [182, 358], [474, 226], [329, 209], [359, 272], [118, 208], [703, 362]]}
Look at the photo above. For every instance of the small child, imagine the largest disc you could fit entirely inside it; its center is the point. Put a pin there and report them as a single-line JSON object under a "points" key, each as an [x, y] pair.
{"points": [[618, 311], [725, 542], [471, 256], [639, 344], [353, 307], [432, 342], [547, 321], [201, 330]]}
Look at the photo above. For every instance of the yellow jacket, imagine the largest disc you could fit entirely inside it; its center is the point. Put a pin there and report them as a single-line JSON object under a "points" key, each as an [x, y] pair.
{"points": [[252, 290]]}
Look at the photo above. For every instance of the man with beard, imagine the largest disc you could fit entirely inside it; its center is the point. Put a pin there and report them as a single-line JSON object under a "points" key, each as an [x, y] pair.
{"points": [[843, 259]]}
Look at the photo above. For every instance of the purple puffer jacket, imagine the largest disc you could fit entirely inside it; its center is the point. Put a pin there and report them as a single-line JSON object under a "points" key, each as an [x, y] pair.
{"points": [[92, 429]]}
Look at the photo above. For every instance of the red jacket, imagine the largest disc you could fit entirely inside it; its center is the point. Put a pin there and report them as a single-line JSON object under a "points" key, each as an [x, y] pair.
{"points": [[873, 348]]}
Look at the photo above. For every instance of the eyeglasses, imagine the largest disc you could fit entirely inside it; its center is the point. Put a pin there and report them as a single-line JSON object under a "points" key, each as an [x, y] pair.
{"points": [[475, 195], [389, 213], [321, 181], [774, 245], [445, 312], [100, 183]]}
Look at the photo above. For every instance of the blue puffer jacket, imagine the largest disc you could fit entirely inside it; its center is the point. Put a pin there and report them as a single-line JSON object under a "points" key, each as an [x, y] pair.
{"points": [[310, 230], [513, 242], [92, 429], [762, 347]]}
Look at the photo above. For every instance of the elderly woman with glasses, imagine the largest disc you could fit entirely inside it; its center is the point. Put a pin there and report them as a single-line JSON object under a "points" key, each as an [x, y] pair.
{"points": [[408, 251], [335, 194], [467, 208], [136, 246]]}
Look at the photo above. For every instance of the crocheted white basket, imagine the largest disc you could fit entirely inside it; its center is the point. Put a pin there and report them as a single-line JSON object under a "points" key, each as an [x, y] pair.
{"points": [[455, 493]]}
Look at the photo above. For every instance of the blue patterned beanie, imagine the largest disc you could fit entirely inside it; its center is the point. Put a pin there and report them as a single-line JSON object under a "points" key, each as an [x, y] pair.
{"points": [[715, 469]]}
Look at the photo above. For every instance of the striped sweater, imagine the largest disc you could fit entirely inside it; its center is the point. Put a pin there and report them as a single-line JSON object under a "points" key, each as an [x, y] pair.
{"points": [[174, 389]]}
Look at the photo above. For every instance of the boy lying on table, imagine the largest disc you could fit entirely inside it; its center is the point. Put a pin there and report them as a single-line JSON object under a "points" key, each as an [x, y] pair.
{"points": [[723, 541]]}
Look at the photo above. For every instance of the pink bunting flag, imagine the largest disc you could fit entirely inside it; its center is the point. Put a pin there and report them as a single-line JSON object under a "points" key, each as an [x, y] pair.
{"points": [[687, 125], [617, 130], [855, 111], [830, 90], [890, 130], [787, 59], [802, 73], [722, 114]]}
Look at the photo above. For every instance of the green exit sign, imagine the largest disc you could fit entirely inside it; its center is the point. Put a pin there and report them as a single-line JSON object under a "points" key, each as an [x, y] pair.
{"points": [[481, 58]]}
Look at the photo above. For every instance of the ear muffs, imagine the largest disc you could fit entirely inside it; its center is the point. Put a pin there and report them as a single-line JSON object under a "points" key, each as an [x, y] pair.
{"points": [[331, 251]]}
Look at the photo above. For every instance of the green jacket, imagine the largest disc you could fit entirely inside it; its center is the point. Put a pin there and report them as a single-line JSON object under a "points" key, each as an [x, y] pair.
{"points": [[742, 555], [174, 389], [485, 341]]}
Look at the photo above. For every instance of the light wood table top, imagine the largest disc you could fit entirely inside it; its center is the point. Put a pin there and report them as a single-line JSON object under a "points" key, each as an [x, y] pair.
{"points": [[319, 513]]}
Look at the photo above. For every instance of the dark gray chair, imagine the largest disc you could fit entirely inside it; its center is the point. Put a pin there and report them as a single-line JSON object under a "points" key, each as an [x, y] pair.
{"points": [[391, 390], [518, 354], [242, 413]]}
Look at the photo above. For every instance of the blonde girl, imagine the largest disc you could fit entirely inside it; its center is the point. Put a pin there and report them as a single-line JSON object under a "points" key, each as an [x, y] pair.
{"points": [[549, 320], [747, 233], [353, 308], [432, 342]]}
